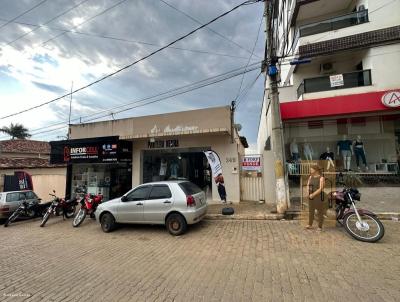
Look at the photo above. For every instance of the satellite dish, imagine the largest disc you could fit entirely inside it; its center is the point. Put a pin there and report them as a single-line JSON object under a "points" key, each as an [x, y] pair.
{"points": [[238, 127]]}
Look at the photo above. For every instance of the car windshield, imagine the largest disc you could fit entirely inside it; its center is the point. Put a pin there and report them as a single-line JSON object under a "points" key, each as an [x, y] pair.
{"points": [[189, 188]]}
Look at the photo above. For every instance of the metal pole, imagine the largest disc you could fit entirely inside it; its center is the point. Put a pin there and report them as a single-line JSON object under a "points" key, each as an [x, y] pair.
{"points": [[70, 109], [277, 142]]}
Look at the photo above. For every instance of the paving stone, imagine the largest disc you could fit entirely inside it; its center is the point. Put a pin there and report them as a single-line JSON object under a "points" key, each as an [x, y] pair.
{"points": [[238, 260]]}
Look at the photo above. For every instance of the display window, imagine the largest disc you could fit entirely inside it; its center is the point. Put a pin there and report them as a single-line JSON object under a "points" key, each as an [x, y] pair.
{"points": [[367, 144], [110, 180], [175, 164], [362, 150]]}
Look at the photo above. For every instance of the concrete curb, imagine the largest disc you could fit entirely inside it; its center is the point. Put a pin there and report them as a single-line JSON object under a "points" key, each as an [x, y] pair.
{"points": [[383, 216], [244, 217]]}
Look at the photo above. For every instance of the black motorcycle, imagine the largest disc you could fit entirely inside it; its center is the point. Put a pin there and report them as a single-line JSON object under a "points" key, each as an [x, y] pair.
{"points": [[60, 206], [361, 224], [28, 209]]}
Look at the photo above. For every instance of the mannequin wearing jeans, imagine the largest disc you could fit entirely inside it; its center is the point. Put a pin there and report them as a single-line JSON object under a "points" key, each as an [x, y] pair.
{"points": [[308, 150], [359, 152], [345, 150], [294, 150]]}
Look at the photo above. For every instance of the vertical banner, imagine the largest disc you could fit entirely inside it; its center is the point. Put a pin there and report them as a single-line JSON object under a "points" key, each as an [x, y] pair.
{"points": [[215, 163]]}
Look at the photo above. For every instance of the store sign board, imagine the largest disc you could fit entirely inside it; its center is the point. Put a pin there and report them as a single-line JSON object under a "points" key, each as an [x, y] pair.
{"points": [[91, 150], [162, 144], [336, 80], [251, 163], [391, 99]]}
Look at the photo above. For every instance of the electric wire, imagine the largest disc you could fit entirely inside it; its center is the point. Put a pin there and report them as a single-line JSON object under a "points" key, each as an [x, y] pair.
{"points": [[208, 28], [123, 40], [133, 63], [193, 86], [47, 22], [23, 13], [251, 55], [112, 114], [86, 21], [247, 90]]}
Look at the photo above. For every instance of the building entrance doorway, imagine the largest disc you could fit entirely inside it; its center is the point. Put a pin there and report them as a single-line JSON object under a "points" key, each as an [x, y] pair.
{"points": [[184, 163]]}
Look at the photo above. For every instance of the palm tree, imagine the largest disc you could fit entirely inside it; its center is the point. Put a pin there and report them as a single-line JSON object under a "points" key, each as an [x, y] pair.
{"points": [[16, 131]]}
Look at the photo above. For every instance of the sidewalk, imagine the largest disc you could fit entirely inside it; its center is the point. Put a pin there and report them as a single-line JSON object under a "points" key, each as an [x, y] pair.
{"points": [[245, 210]]}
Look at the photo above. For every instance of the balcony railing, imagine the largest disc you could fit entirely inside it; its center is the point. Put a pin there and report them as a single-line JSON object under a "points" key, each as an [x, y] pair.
{"points": [[343, 21], [350, 80]]}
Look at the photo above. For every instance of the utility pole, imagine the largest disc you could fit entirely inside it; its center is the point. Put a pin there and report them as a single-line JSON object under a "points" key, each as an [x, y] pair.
{"points": [[277, 142], [70, 110]]}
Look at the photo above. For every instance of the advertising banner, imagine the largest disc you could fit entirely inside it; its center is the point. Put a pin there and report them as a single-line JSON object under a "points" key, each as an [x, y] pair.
{"points": [[251, 163], [215, 163], [91, 150]]}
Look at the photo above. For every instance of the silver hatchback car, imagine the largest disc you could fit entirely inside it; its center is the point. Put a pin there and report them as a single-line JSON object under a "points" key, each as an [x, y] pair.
{"points": [[10, 201], [173, 203]]}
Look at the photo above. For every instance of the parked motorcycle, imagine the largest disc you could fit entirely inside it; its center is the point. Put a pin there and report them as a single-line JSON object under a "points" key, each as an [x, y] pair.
{"points": [[60, 206], [361, 224], [28, 209], [88, 206]]}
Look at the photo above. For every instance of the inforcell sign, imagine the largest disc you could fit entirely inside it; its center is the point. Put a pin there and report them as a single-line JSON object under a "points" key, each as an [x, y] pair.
{"points": [[251, 163], [91, 150]]}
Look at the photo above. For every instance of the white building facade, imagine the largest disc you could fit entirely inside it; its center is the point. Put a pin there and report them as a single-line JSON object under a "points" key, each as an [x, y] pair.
{"points": [[344, 95]]}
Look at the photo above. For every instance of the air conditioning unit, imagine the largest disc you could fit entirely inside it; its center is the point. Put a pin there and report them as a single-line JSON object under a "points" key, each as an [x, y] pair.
{"points": [[327, 68]]}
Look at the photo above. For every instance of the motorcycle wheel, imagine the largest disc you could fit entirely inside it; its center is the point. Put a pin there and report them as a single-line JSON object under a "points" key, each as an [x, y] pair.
{"points": [[70, 211], [79, 218], [11, 218], [371, 229], [45, 218], [31, 213]]}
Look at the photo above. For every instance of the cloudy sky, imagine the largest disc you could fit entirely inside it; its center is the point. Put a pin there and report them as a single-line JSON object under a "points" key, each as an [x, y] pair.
{"points": [[60, 42]]}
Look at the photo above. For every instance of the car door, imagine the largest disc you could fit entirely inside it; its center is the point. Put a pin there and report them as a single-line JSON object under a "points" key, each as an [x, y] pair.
{"points": [[130, 209], [159, 203], [13, 200], [31, 196]]}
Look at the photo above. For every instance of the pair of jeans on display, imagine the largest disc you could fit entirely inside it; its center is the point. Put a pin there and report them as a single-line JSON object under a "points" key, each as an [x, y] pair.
{"points": [[359, 153]]}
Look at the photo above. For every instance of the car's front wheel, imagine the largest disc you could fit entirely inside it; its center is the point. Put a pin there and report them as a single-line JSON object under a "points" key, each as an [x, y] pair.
{"points": [[107, 222], [176, 224]]}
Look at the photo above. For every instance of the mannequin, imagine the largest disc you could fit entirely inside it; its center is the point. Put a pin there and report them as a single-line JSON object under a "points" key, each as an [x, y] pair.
{"points": [[359, 152], [307, 150], [345, 150], [163, 169], [174, 170], [328, 156], [294, 150]]}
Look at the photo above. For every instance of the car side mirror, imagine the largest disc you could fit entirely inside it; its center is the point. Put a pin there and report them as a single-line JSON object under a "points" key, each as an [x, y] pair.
{"points": [[124, 198]]}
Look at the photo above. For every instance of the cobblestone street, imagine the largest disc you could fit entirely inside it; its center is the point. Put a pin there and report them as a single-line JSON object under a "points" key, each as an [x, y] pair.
{"points": [[214, 261]]}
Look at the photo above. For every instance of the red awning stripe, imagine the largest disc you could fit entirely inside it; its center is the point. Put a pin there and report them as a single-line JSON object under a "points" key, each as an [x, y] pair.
{"points": [[338, 105]]}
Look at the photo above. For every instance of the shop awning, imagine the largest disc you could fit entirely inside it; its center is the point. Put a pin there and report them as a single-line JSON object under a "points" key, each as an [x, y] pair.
{"points": [[342, 105]]}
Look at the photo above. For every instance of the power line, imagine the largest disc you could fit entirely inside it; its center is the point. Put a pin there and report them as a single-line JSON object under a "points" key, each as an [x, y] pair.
{"points": [[133, 63], [247, 90], [120, 39], [208, 28], [47, 22], [224, 75], [23, 13], [251, 55], [168, 96], [85, 21]]}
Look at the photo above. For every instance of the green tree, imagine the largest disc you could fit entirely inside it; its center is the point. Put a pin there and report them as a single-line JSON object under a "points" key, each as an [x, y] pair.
{"points": [[16, 131]]}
